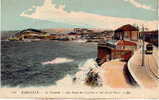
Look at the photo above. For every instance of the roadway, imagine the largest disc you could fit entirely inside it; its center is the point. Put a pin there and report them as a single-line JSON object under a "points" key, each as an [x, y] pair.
{"points": [[146, 76]]}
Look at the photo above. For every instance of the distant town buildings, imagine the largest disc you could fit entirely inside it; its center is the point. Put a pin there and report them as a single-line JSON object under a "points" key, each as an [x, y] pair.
{"points": [[94, 36], [83, 31], [73, 36]]}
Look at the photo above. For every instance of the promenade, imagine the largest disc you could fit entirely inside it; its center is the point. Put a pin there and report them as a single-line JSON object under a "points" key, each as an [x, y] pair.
{"points": [[113, 75], [146, 76]]}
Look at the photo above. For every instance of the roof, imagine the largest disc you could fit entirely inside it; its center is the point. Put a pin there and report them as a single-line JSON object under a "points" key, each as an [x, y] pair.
{"points": [[127, 27], [113, 43], [109, 44], [150, 32], [126, 43]]}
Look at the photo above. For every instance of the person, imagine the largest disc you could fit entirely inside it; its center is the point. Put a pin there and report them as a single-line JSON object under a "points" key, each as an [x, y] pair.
{"points": [[74, 79]]}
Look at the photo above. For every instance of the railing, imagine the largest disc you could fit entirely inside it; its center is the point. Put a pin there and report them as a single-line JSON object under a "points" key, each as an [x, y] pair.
{"points": [[106, 45]]}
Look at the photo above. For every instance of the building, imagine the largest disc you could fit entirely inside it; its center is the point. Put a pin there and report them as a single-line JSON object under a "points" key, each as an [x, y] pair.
{"points": [[115, 49], [73, 36], [83, 31], [127, 32], [150, 36], [126, 45]]}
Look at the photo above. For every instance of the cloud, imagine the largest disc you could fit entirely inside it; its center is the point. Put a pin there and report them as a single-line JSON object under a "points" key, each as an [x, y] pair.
{"points": [[49, 12], [139, 5]]}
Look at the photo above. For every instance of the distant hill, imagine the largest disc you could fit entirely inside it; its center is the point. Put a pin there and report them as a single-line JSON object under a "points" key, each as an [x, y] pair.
{"points": [[7, 34], [58, 30], [33, 30], [67, 30], [30, 30]]}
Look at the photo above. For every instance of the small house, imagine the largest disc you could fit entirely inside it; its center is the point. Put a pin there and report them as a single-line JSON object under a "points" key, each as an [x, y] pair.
{"points": [[127, 32], [115, 49]]}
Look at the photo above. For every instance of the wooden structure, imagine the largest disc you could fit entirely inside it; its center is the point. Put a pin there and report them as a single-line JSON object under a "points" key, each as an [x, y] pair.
{"points": [[112, 49], [127, 32]]}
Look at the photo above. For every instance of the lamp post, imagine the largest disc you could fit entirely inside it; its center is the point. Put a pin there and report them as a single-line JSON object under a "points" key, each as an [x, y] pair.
{"points": [[143, 45]]}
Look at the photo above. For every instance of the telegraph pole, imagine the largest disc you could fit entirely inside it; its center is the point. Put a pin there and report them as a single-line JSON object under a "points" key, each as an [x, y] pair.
{"points": [[143, 45]]}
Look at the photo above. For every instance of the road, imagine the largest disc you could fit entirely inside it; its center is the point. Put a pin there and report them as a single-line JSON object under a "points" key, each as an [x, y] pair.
{"points": [[152, 66], [146, 76], [156, 61]]}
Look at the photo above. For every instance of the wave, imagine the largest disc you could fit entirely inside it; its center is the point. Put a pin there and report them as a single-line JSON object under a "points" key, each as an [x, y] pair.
{"points": [[58, 60], [68, 81], [79, 78]]}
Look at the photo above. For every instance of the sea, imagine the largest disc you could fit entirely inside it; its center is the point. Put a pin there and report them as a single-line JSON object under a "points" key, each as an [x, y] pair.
{"points": [[43, 63]]}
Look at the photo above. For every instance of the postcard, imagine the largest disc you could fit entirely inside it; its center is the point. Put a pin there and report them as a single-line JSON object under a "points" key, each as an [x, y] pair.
{"points": [[79, 49]]}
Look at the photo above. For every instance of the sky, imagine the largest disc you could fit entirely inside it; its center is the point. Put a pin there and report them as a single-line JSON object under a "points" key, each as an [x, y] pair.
{"points": [[105, 14]]}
